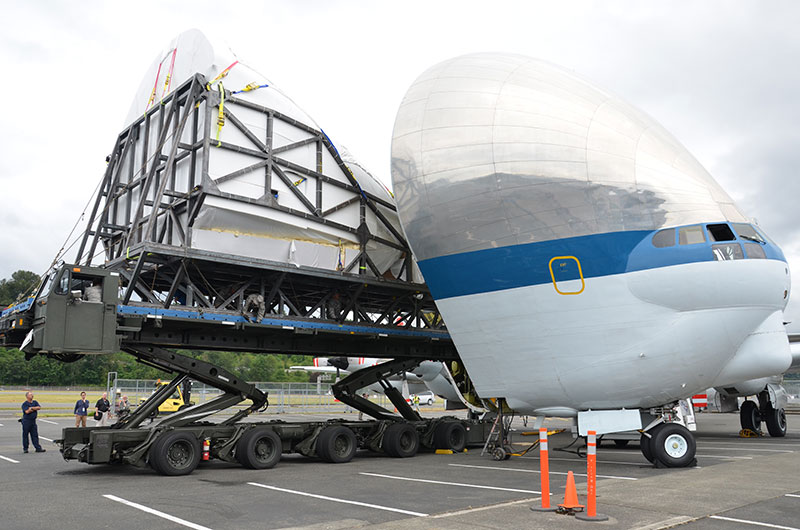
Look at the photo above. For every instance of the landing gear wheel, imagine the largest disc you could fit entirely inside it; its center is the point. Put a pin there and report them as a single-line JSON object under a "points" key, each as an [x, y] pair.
{"points": [[450, 435], [259, 448], [400, 440], [499, 454], [645, 443], [175, 453], [776, 422], [673, 445], [336, 444], [750, 417]]}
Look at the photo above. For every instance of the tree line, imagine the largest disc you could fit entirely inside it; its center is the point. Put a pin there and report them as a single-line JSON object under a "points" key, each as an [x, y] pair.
{"points": [[92, 370]]}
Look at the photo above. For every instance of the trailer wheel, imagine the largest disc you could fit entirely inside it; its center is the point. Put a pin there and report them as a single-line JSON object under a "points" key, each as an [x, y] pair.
{"points": [[450, 435], [645, 444], [776, 422], [259, 448], [749, 416], [175, 453], [673, 445], [336, 444], [400, 440]]}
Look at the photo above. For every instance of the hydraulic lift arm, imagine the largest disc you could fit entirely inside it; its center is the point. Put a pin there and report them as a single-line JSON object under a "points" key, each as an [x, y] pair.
{"points": [[235, 390], [347, 389]]}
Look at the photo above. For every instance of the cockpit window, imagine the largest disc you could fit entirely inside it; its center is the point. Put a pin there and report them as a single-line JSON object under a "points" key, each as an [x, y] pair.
{"points": [[727, 251], [720, 232], [747, 232], [48, 284], [63, 284], [691, 235], [754, 251], [664, 238]]}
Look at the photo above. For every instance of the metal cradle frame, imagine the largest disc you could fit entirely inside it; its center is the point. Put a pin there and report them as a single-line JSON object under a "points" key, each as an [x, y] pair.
{"points": [[152, 251]]}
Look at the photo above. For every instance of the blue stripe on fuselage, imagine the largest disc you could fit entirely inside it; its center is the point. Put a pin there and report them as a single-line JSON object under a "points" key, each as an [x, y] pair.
{"points": [[496, 269]]}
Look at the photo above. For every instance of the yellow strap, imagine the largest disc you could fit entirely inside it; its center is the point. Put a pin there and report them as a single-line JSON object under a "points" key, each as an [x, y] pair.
{"points": [[221, 114], [166, 84]]}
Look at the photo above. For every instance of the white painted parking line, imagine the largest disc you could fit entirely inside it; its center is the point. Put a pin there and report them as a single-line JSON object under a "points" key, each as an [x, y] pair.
{"points": [[10, 459], [156, 513], [483, 508], [345, 501], [48, 421], [749, 449], [451, 483], [749, 443], [754, 523], [792, 495], [644, 463], [536, 471], [725, 457]]}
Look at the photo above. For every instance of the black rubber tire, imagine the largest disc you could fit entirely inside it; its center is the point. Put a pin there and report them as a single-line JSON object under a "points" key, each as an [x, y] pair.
{"points": [[175, 453], [259, 448], [749, 416], [673, 445], [336, 444], [499, 453], [430, 401], [450, 435], [621, 444], [184, 406], [776, 422], [646, 445], [400, 440]]}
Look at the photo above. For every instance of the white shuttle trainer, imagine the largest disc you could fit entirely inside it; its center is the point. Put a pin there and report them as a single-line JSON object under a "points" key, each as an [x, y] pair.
{"points": [[254, 175], [581, 257]]}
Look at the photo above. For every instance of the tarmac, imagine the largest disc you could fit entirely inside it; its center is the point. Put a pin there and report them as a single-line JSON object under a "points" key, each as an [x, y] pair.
{"points": [[738, 483]]}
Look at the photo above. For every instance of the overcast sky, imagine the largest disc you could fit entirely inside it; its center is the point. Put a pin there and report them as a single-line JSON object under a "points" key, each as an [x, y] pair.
{"points": [[722, 76]]}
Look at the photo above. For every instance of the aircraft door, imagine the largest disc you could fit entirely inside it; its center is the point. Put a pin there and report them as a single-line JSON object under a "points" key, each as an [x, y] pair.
{"points": [[567, 275]]}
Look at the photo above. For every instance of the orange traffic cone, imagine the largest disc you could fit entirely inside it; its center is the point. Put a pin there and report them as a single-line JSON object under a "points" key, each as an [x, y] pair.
{"points": [[570, 496]]}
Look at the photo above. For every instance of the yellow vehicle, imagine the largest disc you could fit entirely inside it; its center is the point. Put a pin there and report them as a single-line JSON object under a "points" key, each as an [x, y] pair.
{"points": [[177, 401]]}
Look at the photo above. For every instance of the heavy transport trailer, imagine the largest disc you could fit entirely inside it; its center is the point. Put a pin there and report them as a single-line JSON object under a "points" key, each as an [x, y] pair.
{"points": [[66, 320], [177, 445]]}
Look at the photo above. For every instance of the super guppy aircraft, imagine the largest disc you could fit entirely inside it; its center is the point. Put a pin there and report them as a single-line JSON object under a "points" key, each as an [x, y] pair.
{"points": [[583, 260]]}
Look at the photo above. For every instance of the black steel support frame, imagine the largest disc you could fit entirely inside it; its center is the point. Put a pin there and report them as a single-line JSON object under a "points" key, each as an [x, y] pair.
{"points": [[235, 390], [347, 390]]}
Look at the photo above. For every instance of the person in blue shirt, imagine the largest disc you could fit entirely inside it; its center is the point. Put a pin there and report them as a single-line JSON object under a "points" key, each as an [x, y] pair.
{"points": [[81, 408], [30, 409]]}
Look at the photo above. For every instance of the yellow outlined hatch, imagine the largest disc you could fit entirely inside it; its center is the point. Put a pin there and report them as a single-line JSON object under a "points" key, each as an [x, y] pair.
{"points": [[563, 264]]}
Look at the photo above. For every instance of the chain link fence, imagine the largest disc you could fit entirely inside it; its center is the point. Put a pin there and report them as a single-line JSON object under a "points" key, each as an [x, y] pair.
{"points": [[283, 397]]}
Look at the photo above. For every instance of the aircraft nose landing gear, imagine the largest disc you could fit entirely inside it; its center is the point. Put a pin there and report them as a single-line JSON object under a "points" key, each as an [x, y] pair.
{"points": [[669, 445]]}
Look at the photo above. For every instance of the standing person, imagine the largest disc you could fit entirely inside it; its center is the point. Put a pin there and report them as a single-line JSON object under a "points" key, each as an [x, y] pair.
{"points": [[102, 408], [30, 409], [123, 407], [81, 410]]}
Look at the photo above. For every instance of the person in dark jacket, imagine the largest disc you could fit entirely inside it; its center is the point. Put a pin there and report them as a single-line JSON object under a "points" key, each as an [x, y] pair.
{"points": [[81, 410], [102, 408], [30, 409]]}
